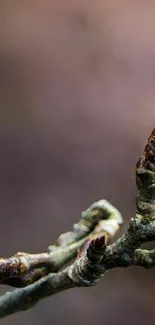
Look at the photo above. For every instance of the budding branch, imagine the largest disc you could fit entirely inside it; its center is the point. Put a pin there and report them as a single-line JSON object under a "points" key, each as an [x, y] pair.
{"points": [[37, 276]]}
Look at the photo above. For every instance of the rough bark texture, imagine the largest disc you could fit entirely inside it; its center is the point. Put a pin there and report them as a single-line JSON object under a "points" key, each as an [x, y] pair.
{"points": [[99, 223], [77, 104]]}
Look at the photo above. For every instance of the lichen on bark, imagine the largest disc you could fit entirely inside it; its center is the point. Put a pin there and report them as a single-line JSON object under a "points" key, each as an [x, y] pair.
{"points": [[37, 276]]}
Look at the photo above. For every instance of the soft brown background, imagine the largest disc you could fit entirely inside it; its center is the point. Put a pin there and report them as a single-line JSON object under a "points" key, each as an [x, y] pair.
{"points": [[77, 98]]}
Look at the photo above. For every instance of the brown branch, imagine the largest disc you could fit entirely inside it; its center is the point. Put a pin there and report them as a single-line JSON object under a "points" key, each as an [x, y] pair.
{"points": [[89, 238]]}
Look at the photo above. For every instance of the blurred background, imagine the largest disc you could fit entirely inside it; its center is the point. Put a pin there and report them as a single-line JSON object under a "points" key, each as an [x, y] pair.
{"points": [[77, 104]]}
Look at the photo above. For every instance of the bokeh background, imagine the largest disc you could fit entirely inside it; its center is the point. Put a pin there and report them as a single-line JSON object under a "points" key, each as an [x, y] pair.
{"points": [[77, 103]]}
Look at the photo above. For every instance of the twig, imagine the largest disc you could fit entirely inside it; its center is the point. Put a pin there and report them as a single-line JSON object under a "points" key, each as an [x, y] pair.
{"points": [[101, 218], [89, 238]]}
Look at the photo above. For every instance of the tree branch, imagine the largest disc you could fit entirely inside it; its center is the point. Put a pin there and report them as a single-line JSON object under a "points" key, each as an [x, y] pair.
{"points": [[39, 275]]}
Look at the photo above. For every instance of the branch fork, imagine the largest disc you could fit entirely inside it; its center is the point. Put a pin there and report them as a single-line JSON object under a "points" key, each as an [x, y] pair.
{"points": [[37, 276]]}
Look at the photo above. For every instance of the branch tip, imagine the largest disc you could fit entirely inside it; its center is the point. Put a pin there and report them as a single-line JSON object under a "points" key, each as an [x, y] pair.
{"points": [[89, 237]]}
